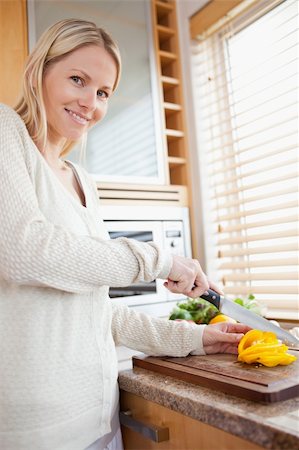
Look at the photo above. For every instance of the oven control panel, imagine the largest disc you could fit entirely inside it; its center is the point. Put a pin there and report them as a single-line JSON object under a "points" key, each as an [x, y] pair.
{"points": [[174, 237]]}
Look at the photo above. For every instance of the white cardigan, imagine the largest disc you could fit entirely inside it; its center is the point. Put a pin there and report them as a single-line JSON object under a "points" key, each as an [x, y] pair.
{"points": [[58, 328]]}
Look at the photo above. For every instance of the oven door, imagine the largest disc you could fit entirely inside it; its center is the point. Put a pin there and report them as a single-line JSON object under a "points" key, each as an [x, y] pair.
{"points": [[141, 293]]}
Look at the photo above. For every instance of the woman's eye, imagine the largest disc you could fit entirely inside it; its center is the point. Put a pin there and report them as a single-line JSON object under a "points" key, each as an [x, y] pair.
{"points": [[77, 80], [102, 94]]}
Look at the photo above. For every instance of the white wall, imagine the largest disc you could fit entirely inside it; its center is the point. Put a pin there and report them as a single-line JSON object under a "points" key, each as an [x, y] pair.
{"points": [[185, 9]]}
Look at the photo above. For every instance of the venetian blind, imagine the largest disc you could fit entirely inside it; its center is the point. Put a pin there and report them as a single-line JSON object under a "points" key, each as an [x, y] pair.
{"points": [[245, 79]]}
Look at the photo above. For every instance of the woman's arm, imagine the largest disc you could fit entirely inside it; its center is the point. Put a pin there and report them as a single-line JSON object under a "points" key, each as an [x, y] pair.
{"points": [[160, 337], [155, 336]]}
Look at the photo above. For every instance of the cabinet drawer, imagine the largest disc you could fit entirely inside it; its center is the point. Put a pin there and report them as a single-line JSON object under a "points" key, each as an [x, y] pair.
{"points": [[185, 433]]}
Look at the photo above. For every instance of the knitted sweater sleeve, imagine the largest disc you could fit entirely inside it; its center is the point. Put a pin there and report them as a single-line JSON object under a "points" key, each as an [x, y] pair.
{"points": [[36, 252], [155, 336]]}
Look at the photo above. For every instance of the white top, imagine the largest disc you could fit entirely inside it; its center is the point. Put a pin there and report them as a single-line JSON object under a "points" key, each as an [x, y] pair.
{"points": [[58, 327]]}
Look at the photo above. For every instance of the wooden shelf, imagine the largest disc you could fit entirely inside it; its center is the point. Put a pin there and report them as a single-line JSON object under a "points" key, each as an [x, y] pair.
{"points": [[165, 32], [172, 106], [173, 134], [167, 50], [167, 57], [171, 109], [163, 8], [169, 82], [175, 161]]}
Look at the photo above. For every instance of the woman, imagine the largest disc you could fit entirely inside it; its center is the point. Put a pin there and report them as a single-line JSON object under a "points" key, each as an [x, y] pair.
{"points": [[58, 332]]}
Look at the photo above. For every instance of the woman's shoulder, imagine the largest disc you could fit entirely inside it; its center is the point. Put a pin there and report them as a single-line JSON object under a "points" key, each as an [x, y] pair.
{"points": [[13, 133], [8, 110], [9, 116]]}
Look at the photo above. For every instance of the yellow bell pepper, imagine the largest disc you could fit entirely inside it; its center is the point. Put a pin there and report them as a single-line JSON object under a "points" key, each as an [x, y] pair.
{"points": [[274, 360], [263, 347], [256, 336]]}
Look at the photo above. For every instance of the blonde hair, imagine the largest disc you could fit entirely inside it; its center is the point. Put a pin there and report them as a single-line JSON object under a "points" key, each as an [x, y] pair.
{"points": [[56, 42]]}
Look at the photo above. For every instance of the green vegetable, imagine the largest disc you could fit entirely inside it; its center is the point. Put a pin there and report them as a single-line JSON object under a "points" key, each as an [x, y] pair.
{"points": [[181, 314], [239, 301], [201, 311], [196, 309], [251, 304]]}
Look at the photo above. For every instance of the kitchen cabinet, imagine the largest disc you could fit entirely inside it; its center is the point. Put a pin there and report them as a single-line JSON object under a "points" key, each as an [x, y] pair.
{"points": [[13, 49], [166, 44], [185, 433], [172, 103], [203, 418]]}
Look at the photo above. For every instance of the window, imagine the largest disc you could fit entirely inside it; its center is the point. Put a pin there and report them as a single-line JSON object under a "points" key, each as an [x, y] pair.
{"points": [[245, 80]]}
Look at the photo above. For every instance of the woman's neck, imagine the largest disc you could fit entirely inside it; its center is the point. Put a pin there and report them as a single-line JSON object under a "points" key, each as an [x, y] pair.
{"points": [[52, 154]]}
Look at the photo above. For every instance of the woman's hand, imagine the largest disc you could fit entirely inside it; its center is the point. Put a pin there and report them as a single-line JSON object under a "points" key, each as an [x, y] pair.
{"points": [[223, 337], [187, 277]]}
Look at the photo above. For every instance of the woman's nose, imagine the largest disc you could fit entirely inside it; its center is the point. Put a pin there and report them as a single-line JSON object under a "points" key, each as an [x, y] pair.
{"points": [[88, 99]]}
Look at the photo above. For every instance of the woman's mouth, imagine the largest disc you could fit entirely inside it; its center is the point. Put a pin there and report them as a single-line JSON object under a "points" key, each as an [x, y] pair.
{"points": [[77, 118]]}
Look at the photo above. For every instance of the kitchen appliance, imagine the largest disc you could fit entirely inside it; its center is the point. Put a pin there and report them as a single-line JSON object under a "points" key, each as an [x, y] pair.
{"points": [[167, 226], [251, 319]]}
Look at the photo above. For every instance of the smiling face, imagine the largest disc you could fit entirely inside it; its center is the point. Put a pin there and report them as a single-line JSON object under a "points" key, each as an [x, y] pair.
{"points": [[76, 89]]}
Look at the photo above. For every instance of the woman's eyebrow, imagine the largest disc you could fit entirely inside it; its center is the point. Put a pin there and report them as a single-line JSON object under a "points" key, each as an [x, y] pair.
{"points": [[82, 71]]}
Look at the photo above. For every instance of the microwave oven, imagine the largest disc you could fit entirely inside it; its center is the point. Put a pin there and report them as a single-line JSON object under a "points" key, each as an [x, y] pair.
{"points": [[166, 226]]}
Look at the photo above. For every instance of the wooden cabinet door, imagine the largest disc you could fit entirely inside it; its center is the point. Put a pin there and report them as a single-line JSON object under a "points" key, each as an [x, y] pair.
{"points": [[13, 48], [185, 433]]}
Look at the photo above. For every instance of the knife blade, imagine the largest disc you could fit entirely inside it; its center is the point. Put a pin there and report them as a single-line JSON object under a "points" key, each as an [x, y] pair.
{"points": [[247, 317]]}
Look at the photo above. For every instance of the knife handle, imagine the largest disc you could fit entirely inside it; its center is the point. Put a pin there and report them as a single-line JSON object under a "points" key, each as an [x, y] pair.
{"points": [[212, 297]]}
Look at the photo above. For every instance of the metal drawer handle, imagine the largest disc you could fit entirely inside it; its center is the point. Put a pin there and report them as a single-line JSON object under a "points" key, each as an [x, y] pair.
{"points": [[149, 431]]}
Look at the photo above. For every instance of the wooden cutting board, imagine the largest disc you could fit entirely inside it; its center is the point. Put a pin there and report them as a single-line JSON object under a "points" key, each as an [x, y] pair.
{"points": [[224, 373]]}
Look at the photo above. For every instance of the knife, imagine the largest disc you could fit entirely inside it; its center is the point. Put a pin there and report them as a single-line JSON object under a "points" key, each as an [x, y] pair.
{"points": [[247, 317]]}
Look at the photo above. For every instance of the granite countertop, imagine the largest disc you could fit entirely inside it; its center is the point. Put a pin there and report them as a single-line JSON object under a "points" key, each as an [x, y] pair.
{"points": [[272, 426]]}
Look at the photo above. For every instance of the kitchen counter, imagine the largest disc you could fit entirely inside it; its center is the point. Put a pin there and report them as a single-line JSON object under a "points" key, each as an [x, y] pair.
{"points": [[271, 426]]}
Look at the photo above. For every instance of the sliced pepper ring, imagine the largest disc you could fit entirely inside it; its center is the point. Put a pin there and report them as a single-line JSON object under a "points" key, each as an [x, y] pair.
{"points": [[264, 348], [261, 348], [249, 338]]}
